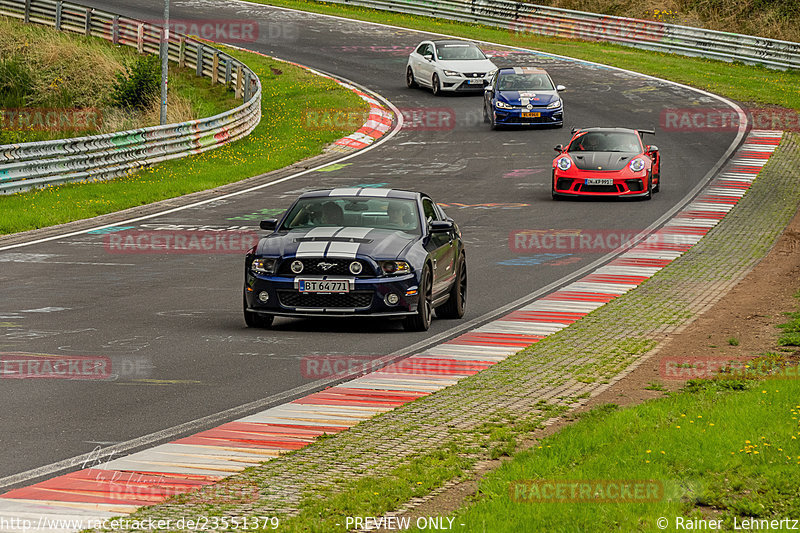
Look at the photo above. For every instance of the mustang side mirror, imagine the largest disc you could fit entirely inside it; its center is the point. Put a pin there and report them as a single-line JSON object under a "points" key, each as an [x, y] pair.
{"points": [[559, 148], [560, 88], [269, 225], [441, 226]]}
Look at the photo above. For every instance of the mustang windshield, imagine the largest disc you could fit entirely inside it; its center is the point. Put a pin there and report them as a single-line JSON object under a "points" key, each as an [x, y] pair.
{"points": [[351, 211], [606, 141], [458, 52], [524, 82]]}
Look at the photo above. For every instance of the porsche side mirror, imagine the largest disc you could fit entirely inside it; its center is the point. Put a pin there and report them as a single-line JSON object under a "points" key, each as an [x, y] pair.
{"points": [[560, 88], [441, 226], [559, 148], [269, 225], [652, 148]]}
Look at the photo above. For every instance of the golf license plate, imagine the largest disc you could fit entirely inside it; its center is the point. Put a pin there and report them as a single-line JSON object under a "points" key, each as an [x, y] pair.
{"points": [[323, 285], [525, 114], [599, 181]]}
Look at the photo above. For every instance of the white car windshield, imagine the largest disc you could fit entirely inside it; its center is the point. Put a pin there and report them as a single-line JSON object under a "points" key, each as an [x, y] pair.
{"points": [[458, 52], [348, 211]]}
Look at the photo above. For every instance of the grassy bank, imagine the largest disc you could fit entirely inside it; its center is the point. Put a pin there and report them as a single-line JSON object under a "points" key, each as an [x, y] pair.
{"points": [[42, 70], [740, 82], [280, 140], [725, 449]]}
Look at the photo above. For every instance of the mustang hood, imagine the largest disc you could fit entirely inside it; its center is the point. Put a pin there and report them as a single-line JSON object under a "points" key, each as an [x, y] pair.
{"points": [[533, 98], [602, 160], [333, 242]]}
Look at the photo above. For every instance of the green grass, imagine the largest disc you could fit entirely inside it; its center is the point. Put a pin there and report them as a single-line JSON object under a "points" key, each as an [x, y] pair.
{"points": [[280, 140], [739, 82], [723, 449], [791, 329]]}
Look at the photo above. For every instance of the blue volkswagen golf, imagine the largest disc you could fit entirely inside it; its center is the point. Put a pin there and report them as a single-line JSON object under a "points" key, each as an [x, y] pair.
{"points": [[355, 252], [523, 96]]}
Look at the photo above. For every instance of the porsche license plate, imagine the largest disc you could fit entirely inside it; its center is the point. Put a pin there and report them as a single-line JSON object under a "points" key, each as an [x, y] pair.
{"points": [[531, 115], [323, 285], [599, 181]]}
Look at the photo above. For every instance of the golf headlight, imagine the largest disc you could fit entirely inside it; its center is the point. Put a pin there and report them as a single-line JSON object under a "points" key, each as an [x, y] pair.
{"points": [[395, 267], [555, 104], [263, 266], [502, 105], [451, 73], [564, 163], [637, 165]]}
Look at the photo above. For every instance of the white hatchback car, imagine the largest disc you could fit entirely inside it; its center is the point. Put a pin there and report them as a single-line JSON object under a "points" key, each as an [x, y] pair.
{"points": [[449, 65]]}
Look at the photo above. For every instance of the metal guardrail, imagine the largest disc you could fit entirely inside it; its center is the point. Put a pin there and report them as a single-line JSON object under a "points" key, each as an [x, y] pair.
{"points": [[649, 35], [99, 157]]}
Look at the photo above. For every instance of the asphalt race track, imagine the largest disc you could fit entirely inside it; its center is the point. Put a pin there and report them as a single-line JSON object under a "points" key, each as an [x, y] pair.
{"points": [[171, 325]]}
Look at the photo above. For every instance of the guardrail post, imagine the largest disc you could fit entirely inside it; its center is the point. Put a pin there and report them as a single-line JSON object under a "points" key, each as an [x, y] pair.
{"points": [[182, 52], [228, 72], [115, 30], [87, 26], [215, 68], [27, 11], [59, 7], [140, 38], [247, 85], [238, 93], [199, 62]]}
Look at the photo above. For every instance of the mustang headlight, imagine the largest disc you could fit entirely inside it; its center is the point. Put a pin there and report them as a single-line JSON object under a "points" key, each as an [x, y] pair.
{"points": [[451, 73], [564, 163], [263, 265], [555, 104], [637, 165], [395, 267], [502, 105]]}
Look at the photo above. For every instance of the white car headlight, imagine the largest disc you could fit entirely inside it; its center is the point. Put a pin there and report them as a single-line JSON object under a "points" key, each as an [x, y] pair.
{"points": [[555, 104], [451, 73], [502, 105], [638, 164], [564, 163]]}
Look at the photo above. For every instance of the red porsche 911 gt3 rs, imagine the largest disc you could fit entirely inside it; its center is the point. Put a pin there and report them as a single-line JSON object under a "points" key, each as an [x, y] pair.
{"points": [[607, 162]]}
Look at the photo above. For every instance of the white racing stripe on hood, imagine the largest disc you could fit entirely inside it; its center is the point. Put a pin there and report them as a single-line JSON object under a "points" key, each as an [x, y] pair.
{"points": [[323, 232], [312, 249], [342, 250], [354, 233]]}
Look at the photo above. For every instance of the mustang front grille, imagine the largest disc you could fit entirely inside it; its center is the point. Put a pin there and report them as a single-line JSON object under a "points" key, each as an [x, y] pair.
{"points": [[348, 300], [322, 267]]}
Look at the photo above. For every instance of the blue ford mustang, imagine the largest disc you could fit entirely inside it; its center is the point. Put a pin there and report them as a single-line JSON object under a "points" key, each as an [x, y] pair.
{"points": [[523, 96], [358, 251]]}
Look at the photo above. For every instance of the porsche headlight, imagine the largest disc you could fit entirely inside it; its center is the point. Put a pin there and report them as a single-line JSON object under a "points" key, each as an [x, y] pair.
{"points": [[502, 105], [395, 267], [637, 165], [564, 163], [555, 104], [451, 73], [263, 265]]}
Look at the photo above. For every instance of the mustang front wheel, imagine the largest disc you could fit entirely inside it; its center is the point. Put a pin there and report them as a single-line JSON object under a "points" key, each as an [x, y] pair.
{"points": [[256, 320], [421, 321], [457, 302]]}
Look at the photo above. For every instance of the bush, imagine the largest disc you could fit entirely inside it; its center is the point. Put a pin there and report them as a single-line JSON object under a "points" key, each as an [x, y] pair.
{"points": [[138, 85], [16, 82]]}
